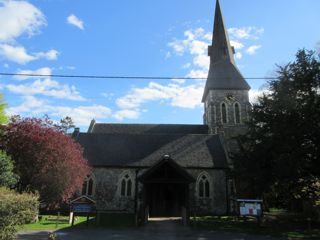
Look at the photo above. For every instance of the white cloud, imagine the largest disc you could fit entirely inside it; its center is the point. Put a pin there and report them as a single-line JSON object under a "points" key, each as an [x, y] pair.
{"points": [[196, 44], [126, 113], [246, 32], [254, 94], [198, 74], [75, 21], [176, 95], [30, 104], [40, 71], [17, 18], [19, 54], [253, 49], [81, 115], [238, 55], [202, 61], [236, 44], [46, 87], [50, 55], [16, 54]]}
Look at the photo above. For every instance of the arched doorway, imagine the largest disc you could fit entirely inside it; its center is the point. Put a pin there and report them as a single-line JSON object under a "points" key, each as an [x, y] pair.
{"points": [[166, 189]]}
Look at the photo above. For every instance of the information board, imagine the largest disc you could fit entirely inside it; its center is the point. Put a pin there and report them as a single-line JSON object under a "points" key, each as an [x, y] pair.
{"points": [[82, 208], [250, 207]]}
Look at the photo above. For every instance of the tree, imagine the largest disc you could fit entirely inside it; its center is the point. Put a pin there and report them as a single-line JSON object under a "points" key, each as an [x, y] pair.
{"points": [[3, 117], [7, 177], [280, 154], [16, 209], [66, 124], [46, 159]]}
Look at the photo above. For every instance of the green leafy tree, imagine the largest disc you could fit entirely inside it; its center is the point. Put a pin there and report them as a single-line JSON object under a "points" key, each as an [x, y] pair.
{"points": [[7, 177], [280, 154], [3, 117]]}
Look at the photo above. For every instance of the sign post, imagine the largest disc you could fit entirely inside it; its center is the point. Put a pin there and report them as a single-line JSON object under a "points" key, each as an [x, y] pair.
{"points": [[82, 205]]}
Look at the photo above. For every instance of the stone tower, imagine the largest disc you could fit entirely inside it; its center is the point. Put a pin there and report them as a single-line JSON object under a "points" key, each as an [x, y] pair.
{"points": [[225, 97]]}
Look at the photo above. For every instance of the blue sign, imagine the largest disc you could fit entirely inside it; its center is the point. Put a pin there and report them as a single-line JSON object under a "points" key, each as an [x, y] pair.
{"points": [[82, 208]]}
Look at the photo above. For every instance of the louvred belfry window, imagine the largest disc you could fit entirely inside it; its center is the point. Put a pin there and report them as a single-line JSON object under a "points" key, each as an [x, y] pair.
{"points": [[224, 113], [237, 113]]}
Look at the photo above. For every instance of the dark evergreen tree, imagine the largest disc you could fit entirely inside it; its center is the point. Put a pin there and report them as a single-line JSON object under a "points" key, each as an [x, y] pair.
{"points": [[280, 154]]}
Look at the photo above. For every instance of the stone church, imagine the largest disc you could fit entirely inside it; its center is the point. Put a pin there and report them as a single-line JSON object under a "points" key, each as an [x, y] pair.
{"points": [[159, 170]]}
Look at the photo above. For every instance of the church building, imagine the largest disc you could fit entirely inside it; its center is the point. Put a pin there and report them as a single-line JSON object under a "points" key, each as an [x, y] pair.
{"points": [[175, 170]]}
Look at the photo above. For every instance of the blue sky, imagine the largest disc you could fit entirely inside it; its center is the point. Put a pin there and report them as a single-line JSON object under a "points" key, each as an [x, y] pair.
{"points": [[139, 38]]}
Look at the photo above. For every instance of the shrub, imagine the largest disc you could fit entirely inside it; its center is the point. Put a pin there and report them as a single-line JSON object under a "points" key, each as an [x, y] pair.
{"points": [[16, 209]]}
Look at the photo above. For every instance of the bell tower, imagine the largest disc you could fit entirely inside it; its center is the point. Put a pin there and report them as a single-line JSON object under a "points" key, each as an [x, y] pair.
{"points": [[225, 97]]}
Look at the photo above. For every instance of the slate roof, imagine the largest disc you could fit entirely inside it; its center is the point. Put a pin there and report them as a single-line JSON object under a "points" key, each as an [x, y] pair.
{"points": [[125, 149], [111, 128]]}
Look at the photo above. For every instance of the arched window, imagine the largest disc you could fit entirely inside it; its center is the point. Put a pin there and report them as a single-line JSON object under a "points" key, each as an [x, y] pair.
{"points": [[213, 116], [88, 187], [203, 186], [126, 186], [224, 115], [236, 107]]}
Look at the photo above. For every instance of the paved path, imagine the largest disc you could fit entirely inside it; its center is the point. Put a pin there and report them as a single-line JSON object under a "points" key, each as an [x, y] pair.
{"points": [[159, 230]]}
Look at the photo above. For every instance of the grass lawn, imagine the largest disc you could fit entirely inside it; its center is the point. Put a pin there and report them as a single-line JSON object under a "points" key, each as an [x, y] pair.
{"points": [[53, 222], [275, 223]]}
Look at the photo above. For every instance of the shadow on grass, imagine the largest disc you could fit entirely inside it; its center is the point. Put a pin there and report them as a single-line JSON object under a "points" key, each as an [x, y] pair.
{"points": [[290, 228]]}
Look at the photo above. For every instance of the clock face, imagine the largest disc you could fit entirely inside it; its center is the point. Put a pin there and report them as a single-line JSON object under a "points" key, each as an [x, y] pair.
{"points": [[229, 96]]}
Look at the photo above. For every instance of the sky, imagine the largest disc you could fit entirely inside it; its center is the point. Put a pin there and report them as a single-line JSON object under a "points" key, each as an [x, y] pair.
{"points": [[166, 38]]}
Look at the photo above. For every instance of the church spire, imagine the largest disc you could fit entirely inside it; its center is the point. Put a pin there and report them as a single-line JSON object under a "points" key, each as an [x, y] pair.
{"points": [[223, 73], [221, 49]]}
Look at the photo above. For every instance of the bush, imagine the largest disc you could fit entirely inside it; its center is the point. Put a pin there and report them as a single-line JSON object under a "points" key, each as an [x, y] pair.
{"points": [[7, 177], [16, 209]]}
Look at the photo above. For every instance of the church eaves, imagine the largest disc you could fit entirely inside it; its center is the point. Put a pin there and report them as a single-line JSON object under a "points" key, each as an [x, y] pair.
{"points": [[223, 73]]}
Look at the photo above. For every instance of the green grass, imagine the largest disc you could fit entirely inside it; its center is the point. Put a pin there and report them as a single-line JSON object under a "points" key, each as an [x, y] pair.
{"points": [[52, 222], [290, 227]]}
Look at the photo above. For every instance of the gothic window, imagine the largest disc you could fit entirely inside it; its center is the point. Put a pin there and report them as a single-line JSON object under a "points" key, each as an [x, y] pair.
{"points": [[203, 186], [126, 186], [88, 187], [213, 114], [236, 107], [224, 115]]}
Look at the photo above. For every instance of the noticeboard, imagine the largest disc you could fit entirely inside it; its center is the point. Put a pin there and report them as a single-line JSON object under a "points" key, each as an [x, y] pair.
{"points": [[250, 207], [82, 204], [82, 208]]}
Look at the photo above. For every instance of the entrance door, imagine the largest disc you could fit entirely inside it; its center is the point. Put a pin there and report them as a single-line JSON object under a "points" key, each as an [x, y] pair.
{"points": [[166, 189], [165, 199]]}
